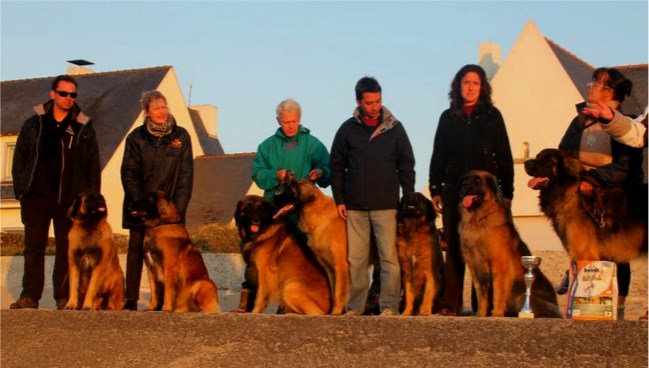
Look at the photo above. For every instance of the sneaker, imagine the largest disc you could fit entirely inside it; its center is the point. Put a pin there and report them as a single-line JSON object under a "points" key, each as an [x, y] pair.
{"points": [[353, 313], [130, 305], [386, 312], [24, 302], [61, 303]]}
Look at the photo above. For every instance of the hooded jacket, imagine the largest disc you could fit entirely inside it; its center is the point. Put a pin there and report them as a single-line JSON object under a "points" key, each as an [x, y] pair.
{"points": [[150, 164], [370, 164], [300, 153], [477, 142], [81, 140]]}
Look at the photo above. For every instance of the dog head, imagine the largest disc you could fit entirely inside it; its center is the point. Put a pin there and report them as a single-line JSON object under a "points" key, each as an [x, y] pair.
{"points": [[88, 207], [253, 216], [478, 187], [415, 205], [552, 166], [158, 209], [293, 194]]}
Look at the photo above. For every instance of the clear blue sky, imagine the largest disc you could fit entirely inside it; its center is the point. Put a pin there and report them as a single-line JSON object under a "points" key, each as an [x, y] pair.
{"points": [[245, 57]]}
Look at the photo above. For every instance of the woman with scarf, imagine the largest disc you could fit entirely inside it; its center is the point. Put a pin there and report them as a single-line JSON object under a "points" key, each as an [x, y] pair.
{"points": [[158, 156]]}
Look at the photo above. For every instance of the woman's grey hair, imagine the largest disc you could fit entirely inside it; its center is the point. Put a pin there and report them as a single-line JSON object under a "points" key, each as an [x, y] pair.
{"points": [[150, 96], [288, 105]]}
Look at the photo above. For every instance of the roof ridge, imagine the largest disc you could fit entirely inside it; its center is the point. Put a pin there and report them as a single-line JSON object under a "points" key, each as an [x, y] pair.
{"points": [[632, 66], [93, 74], [552, 43]]}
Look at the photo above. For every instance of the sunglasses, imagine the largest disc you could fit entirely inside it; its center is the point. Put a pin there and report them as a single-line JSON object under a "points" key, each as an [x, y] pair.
{"points": [[65, 94]]}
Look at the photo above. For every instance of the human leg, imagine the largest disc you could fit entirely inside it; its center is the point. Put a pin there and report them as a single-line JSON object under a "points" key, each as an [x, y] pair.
{"points": [[134, 259], [358, 243], [384, 226], [451, 300], [60, 279], [36, 217], [623, 283]]}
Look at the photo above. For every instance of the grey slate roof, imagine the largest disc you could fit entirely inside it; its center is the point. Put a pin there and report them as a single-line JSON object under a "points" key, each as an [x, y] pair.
{"points": [[581, 72], [219, 182]]}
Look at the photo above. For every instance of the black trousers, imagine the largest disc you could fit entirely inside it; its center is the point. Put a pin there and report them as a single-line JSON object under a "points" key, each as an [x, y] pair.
{"points": [[454, 271], [134, 260], [37, 212]]}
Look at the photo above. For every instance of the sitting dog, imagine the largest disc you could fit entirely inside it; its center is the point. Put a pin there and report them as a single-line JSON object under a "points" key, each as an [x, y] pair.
{"points": [[177, 274], [420, 254], [492, 250], [325, 230], [287, 273], [619, 234], [96, 277]]}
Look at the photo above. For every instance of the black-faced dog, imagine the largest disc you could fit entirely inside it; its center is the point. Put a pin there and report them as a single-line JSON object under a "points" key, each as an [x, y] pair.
{"points": [[177, 274], [492, 250], [96, 277], [287, 273], [325, 230], [620, 236], [420, 255]]}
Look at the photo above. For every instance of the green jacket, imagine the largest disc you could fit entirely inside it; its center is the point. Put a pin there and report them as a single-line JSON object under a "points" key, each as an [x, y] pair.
{"points": [[300, 153]]}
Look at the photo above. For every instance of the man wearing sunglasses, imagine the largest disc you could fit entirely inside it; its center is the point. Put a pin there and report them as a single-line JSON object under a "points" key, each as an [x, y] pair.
{"points": [[55, 158]]}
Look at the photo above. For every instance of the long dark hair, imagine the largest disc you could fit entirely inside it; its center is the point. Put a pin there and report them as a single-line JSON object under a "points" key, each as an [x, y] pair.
{"points": [[455, 95]]}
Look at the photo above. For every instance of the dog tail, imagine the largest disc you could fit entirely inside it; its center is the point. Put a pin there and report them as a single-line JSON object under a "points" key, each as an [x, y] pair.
{"points": [[204, 295]]}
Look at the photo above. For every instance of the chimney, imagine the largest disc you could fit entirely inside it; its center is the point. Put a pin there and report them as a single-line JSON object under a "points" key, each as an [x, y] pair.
{"points": [[80, 68], [489, 58], [209, 116]]}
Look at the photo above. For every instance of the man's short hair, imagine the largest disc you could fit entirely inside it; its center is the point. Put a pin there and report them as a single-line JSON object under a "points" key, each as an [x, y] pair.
{"points": [[288, 105], [367, 84], [63, 77]]}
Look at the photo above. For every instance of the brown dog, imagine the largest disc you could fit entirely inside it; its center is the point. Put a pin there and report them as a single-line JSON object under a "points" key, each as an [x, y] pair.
{"points": [[325, 230], [420, 254], [287, 273], [619, 234], [95, 275], [492, 250], [177, 273]]}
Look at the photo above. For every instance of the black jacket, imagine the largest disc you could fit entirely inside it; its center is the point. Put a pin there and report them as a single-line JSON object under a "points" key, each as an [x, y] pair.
{"points": [[80, 136], [626, 168], [478, 142], [368, 164], [152, 163]]}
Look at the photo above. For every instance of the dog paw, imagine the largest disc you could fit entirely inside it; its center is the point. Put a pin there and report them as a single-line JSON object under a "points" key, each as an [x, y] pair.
{"points": [[71, 306]]}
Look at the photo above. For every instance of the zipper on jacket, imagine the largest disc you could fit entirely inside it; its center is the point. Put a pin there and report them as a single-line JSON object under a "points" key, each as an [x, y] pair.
{"points": [[62, 169]]}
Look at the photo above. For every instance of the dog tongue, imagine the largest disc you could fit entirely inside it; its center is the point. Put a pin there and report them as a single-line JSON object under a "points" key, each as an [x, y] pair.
{"points": [[254, 228], [283, 210], [537, 182], [467, 201]]}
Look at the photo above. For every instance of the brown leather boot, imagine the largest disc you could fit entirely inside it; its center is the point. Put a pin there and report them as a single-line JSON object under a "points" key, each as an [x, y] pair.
{"points": [[247, 301]]}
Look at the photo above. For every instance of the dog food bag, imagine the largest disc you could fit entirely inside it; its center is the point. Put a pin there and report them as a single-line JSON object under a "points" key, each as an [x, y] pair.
{"points": [[593, 291]]}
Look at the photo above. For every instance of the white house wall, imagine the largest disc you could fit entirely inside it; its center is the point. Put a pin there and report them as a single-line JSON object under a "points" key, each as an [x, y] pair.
{"points": [[536, 97]]}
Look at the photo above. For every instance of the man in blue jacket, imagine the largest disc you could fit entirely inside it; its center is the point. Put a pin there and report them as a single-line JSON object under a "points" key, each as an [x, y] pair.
{"points": [[371, 159]]}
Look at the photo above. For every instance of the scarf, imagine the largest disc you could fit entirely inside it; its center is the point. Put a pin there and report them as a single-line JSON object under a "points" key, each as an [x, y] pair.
{"points": [[160, 130]]}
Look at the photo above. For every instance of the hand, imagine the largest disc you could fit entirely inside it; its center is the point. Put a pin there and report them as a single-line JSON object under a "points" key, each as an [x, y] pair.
{"points": [[342, 211], [315, 174], [437, 203], [586, 188], [599, 110], [281, 174]]}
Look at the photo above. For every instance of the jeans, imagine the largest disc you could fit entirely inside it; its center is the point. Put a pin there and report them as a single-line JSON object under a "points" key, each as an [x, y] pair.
{"points": [[360, 224], [134, 260]]}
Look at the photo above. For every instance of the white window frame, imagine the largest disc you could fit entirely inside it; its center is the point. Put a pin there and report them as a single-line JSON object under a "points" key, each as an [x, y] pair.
{"points": [[7, 161]]}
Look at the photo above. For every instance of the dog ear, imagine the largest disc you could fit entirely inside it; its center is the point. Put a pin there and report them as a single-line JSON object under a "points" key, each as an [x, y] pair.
{"points": [[492, 184], [74, 209], [570, 165]]}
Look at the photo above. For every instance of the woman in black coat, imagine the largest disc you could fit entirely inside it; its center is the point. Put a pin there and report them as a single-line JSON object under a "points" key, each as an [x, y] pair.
{"points": [[158, 156], [470, 135]]}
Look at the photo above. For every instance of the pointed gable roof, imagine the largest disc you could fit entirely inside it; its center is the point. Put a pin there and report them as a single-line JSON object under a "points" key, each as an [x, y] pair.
{"points": [[219, 182], [579, 71], [111, 100]]}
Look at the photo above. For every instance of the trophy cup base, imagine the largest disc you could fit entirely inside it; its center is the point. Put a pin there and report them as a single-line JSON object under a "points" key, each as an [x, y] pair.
{"points": [[525, 314]]}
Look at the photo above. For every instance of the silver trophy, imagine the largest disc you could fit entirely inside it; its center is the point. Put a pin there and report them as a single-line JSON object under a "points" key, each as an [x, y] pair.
{"points": [[530, 263]]}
